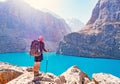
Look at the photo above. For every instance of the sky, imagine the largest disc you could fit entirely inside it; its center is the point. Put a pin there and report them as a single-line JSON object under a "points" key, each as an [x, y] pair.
{"points": [[2, 0], [80, 9]]}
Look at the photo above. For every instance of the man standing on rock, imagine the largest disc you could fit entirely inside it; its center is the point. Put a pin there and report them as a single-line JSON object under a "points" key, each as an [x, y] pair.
{"points": [[37, 48]]}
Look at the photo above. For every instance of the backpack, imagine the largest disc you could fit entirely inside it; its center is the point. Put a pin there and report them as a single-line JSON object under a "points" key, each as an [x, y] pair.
{"points": [[34, 48]]}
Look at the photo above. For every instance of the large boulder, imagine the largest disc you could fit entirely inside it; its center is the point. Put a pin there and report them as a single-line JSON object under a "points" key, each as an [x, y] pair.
{"points": [[9, 72], [75, 76], [102, 78], [7, 75]]}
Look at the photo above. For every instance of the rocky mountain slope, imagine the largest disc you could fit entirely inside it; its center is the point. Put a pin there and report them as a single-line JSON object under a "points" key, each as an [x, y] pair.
{"points": [[74, 24], [101, 35], [20, 24], [71, 76]]}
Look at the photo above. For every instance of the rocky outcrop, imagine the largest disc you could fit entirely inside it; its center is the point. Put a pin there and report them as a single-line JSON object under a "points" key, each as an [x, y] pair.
{"points": [[71, 76], [101, 35], [9, 72], [20, 24], [102, 78], [7, 75], [75, 76]]}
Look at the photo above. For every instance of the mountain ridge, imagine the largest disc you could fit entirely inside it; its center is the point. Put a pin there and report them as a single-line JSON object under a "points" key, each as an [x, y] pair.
{"points": [[100, 37], [20, 24]]}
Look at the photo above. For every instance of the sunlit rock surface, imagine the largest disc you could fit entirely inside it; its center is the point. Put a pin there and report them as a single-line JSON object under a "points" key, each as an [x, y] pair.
{"points": [[10, 74], [102, 78], [101, 35]]}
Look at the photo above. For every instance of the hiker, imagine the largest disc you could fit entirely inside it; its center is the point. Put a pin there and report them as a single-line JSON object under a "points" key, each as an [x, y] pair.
{"points": [[39, 57]]}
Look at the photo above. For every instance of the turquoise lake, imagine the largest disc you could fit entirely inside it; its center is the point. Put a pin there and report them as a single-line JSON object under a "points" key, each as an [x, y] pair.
{"points": [[60, 63]]}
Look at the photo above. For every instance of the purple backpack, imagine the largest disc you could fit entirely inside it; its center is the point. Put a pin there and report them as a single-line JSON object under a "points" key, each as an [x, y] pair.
{"points": [[34, 48]]}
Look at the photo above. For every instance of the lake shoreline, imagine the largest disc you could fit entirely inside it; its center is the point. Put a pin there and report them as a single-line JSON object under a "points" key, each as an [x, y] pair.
{"points": [[63, 62]]}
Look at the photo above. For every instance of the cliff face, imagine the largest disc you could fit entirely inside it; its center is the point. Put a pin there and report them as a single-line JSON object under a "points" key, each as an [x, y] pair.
{"points": [[20, 24], [101, 35], [105, 11]]}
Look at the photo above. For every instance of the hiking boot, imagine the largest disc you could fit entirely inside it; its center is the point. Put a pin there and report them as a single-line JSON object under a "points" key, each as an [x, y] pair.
{"points": [[36, 73], [37, 80]]}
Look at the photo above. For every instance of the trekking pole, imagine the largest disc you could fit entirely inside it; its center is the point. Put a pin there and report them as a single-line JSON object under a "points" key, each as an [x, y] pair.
{"points": [[46, 63]]}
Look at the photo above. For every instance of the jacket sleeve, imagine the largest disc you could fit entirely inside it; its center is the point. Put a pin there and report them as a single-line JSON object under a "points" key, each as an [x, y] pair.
{"points": [[44, 47]]}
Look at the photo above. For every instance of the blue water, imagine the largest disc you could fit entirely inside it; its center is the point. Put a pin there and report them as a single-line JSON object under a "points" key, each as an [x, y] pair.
{"points": [[60, 63]]}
